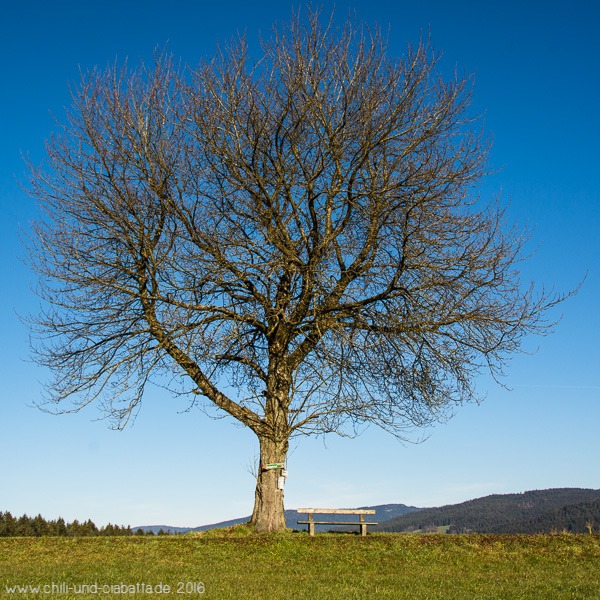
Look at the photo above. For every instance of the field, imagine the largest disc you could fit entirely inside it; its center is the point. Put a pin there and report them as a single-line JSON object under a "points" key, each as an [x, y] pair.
{"points": [[236, 564]]}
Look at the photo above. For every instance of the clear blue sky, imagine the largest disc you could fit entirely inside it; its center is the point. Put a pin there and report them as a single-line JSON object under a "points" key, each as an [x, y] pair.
{"points": [[537, 67]]}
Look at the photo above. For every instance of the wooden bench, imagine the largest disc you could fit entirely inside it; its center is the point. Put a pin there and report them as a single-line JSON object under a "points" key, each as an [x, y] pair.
{"points": [[361, 512]]}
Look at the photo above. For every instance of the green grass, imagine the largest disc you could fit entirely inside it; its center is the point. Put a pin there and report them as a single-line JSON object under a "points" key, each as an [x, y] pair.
{"points": [[236, 564]]}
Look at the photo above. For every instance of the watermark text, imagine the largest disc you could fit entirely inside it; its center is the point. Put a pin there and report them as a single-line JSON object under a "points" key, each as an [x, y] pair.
{"points": [[124, 589]]}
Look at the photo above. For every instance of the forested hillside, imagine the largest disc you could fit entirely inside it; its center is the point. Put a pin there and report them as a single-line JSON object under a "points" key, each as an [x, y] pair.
{"points": [[573, 518], [529, 512]]}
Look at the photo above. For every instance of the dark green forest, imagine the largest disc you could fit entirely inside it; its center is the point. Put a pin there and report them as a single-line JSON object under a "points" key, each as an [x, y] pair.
{"points": [[38, 526], [542, 511], [583, 517]]}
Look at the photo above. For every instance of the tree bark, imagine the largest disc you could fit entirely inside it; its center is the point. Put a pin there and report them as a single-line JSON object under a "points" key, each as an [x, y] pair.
{"points": [[268, 514]]}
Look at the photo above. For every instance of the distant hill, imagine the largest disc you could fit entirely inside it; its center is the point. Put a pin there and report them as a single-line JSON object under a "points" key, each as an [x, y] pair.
{"points": [[384, 512], [165, 528], [530, 512]]}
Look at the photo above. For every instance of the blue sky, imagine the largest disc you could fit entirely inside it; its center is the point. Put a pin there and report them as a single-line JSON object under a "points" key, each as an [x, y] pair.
{"points": [[537, 83]]}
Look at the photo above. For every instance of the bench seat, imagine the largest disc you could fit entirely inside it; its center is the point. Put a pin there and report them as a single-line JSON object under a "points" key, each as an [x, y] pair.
{"points": [[335, 523], [360, 512]]}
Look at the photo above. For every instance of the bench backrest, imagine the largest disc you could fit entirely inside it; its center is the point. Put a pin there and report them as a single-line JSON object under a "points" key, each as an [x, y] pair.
{"points": [[337, 511]]}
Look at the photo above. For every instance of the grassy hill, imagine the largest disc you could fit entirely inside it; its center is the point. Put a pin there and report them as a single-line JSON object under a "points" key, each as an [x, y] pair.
{"points": [[236, 564], [529, 512]]}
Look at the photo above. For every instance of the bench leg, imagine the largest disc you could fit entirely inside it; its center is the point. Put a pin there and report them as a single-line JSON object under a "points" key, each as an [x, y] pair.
{"points": [[363, 526], [311, 526]]}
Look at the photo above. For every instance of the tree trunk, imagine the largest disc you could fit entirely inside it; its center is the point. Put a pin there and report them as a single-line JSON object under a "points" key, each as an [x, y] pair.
{"points": [[268, 514]]}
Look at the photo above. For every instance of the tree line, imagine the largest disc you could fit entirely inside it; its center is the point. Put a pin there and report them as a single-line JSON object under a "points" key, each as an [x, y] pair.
{"points": [[26, 526]]}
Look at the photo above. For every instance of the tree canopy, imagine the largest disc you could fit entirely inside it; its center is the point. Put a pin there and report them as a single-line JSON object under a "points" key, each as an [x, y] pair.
{"points": [[295, 238]]}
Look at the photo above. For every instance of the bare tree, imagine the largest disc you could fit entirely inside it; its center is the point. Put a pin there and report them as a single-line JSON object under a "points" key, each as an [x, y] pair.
{"points": [[295, 240]]}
